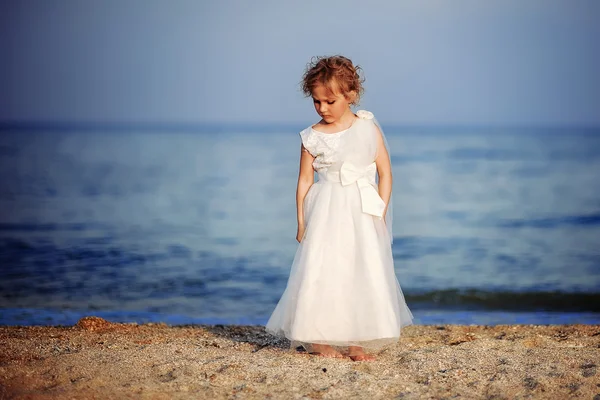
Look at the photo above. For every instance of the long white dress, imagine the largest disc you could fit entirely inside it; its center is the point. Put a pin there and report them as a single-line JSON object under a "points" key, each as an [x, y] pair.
{"points": [[342, 289]]}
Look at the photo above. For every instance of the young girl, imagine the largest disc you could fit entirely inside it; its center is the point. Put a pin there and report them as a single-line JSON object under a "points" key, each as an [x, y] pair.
{"points": [[342, 295]]}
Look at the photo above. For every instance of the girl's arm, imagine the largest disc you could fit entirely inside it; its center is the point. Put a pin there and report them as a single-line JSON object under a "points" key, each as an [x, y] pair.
{"points": [[305, 180], [384, 169]]}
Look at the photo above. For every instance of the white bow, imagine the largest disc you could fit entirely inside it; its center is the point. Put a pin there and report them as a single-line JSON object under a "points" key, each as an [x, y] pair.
{"points": [[371, 202]]}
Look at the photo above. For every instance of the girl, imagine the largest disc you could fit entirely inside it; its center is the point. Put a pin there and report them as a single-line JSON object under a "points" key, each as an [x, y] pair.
{"points": [[342, 294]]}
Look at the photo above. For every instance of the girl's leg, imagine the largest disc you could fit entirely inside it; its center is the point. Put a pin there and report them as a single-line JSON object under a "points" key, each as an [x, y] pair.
{"points": [[325, 351], [356, 353]]}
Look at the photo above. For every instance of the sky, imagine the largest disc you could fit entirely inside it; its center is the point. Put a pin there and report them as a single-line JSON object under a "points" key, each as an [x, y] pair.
{"points": [[460, 62]]}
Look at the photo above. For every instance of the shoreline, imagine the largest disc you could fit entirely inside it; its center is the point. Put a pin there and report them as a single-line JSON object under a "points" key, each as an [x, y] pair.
{"points": [[100, 359], [422, 316]]}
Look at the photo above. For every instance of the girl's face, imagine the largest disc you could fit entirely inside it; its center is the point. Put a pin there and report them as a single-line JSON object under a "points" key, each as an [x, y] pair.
{"points": [[330, 104]]}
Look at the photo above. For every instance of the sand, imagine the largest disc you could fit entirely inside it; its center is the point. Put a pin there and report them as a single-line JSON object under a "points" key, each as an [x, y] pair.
{"points": [[96, 359]]}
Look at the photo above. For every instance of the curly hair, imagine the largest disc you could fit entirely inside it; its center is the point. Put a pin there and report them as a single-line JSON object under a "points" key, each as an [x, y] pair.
{"points": [[328, 71]]}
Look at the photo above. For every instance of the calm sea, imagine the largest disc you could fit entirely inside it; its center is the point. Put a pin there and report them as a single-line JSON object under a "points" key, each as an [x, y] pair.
{"points": [[198, 226]]}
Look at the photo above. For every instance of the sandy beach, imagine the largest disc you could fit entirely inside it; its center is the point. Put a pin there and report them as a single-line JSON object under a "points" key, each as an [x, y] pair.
{"points": [[96, 359]]}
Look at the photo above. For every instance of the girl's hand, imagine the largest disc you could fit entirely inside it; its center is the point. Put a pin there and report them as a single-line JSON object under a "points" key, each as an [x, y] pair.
{"points": [[300, 234]]}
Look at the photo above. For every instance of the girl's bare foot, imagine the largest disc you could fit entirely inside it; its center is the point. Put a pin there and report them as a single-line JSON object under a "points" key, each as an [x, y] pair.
{"points": [[356, 353], [325, 350]]}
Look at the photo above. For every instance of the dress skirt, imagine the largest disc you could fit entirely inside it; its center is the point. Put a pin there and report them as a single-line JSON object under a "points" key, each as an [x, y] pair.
{"points": [[342, 289]]}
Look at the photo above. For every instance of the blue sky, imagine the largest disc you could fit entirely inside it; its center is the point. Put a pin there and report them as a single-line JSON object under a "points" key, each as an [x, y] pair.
{"points": [[498, 62]]}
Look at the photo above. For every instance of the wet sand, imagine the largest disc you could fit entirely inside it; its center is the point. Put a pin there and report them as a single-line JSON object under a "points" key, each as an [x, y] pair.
{"points": [[96, 359]]}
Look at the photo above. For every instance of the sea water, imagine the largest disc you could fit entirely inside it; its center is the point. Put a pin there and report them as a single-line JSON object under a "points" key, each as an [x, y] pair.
{"points": [[198, 225]]}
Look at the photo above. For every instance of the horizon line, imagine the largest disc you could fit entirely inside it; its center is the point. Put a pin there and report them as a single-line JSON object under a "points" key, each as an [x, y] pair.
{"points": [[198, 126]]}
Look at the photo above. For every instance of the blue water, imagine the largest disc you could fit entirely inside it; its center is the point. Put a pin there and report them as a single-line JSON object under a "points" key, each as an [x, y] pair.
{"points": [[198, 226]]}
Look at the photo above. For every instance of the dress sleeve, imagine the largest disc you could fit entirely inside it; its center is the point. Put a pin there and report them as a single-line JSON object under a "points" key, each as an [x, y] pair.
{"points": [[309, 141]]}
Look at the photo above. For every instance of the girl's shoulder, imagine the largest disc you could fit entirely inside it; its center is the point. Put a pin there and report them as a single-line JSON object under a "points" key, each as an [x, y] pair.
{"points": [[366, 120], [364, 114], [306, 132], [309, 139]]}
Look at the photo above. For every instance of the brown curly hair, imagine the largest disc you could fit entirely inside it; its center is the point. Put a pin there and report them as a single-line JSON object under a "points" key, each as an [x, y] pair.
{"points": [[328, 71]]}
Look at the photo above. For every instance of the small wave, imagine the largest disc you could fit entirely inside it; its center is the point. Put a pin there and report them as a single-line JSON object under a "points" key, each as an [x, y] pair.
{"points": [[47, 227], [475, 299], [472, 153], [571, 220]]}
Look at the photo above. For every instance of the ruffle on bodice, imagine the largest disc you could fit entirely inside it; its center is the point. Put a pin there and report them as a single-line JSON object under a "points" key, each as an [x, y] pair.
{"points": [[324, 146]]}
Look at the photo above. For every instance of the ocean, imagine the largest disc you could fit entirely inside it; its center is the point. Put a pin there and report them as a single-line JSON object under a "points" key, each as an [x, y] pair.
{"points": [[197, 225]]}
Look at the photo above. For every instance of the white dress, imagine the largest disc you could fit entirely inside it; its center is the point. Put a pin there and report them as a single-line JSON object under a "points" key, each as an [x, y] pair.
{"points": [[342, 289]]}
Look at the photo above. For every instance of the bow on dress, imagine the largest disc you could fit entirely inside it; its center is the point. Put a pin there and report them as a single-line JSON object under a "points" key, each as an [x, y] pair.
{"points": [[372, 203]]}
